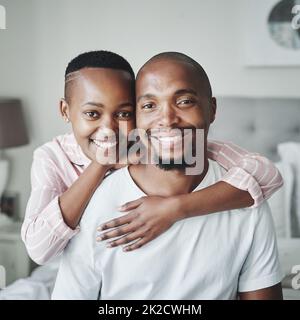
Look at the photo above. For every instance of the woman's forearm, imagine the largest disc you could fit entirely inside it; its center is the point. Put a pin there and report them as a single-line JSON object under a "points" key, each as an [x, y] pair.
{"points": [[218, 197], [74, 201]]}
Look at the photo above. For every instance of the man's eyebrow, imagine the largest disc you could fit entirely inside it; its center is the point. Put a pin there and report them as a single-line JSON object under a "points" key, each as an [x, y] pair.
{"points": [[178, 92], [95, 104], [146, 96], [185, 91]]}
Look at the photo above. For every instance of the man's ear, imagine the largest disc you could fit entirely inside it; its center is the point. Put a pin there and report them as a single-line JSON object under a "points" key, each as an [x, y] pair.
{"points": [[64, 109], [213, 109]]}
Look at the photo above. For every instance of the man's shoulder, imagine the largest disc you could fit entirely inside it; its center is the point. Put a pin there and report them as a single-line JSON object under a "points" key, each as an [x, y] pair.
{"points": [[214, 174], [114, 177], [112, 185]]}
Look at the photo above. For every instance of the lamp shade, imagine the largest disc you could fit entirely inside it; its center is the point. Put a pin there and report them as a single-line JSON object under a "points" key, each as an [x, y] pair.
{"points": [[13, 132]]}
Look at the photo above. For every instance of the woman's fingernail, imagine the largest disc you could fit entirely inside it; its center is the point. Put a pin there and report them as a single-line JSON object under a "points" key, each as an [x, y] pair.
{"points": [[99, 238], [109, 245], [100, 228]]}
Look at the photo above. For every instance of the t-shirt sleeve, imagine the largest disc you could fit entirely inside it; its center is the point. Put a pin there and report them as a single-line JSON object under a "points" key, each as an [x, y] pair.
{"points": [[261, 268]]}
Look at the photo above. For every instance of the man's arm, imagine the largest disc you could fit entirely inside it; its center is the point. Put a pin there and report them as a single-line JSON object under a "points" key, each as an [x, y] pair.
{"points": [[270, 293]]}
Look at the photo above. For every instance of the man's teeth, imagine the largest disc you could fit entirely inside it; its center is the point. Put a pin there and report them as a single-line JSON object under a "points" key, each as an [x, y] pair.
{"points": [[169, 139], [104, 144]]}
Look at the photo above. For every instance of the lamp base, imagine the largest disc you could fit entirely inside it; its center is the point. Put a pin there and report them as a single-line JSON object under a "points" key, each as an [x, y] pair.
{"points": [[4, 167]]}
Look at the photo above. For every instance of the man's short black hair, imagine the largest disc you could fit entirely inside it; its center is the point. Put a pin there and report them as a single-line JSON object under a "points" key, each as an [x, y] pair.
{"points": [[178, 56], [97, 59]]}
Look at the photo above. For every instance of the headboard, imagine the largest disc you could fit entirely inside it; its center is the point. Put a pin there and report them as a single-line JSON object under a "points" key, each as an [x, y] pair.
{"points": [[257, 124]]}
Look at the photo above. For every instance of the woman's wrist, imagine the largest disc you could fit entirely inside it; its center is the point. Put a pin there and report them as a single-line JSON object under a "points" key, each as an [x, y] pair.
{"points": [[178, 206], [101, 167]]}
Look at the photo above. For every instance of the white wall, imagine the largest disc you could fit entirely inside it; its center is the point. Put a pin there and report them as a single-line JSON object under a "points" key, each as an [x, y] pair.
{"points": [[43, 35]]}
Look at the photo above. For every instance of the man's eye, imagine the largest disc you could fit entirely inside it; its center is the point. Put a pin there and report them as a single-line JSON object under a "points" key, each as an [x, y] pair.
{"points": [[148, 106], [185, 102], [124, 115], [92, 114]]}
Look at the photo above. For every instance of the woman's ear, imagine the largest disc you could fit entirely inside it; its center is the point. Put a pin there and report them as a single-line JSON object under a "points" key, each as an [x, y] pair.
{"points": [[213, 109], [64, 109]]}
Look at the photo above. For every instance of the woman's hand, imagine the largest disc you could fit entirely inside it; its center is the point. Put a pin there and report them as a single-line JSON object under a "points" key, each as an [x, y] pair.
{"points": [[147, 218]]}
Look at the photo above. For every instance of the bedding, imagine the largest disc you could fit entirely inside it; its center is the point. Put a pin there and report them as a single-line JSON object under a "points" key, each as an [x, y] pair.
{"points": [[38, 286]]}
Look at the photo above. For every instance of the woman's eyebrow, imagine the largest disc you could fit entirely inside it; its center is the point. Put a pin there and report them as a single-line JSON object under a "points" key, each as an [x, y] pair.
{"points": [[126, 104]]}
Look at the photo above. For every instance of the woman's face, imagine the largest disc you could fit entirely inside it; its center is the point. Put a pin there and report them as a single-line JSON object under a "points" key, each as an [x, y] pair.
{"points": [[100, 105]]}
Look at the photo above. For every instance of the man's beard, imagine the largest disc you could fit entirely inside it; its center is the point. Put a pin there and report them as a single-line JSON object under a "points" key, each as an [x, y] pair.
{"points": [[180, 163], [173, 165]]}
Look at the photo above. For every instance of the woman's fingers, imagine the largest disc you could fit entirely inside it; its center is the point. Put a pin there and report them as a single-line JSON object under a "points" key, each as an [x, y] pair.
{"points": [[127, 238], [116, 232], [116, 222], [131, 204], [138, 244]]}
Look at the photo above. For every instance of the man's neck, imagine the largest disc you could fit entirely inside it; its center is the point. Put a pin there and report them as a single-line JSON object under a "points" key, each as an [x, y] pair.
{"points": [[155, 181]]}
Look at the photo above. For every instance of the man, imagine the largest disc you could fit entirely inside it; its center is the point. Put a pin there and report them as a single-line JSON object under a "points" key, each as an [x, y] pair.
{"points": [[220, 256]]}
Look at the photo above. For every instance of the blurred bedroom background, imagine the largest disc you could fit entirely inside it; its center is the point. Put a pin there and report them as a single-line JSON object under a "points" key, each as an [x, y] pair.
{"points": [[249, 48]]}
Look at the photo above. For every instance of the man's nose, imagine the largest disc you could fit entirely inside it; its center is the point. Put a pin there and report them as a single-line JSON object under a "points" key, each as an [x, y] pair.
{"points": [[168, 116]]}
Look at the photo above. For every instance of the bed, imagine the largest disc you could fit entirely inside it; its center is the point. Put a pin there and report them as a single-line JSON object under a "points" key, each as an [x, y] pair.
{"points": [[268, 126]]}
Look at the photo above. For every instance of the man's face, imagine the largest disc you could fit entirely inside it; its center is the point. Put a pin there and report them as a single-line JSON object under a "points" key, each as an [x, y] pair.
{"points": [[169, 97], [101, 103]]}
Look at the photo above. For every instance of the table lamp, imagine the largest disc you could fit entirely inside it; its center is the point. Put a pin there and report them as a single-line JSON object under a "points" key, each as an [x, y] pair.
{"points": [[12, 134]]}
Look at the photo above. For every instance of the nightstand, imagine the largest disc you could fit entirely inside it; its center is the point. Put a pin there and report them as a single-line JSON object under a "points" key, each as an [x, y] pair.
{"points": [[13, 255]]}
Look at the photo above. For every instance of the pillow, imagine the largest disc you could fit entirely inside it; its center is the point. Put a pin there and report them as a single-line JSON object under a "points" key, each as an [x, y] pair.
{"points": [[280, 202], [290, 152]]}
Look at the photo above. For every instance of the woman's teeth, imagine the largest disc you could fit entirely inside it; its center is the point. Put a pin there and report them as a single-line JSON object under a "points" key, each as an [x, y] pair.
{"points": [[104, 144]]}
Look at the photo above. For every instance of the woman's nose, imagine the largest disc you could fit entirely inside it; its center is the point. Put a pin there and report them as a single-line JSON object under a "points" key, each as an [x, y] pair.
{"points": [[108, 122]]}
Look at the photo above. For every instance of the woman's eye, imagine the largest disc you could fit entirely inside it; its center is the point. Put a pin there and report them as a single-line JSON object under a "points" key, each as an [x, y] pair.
{"points": [[92, 114], [124, 115]]}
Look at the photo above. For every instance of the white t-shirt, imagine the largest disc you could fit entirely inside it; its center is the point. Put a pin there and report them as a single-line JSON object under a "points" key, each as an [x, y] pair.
{"points": [[209, 257]]}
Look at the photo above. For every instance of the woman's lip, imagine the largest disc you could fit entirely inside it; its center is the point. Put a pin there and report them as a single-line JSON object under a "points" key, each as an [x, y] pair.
{"points": [[104, 144]]}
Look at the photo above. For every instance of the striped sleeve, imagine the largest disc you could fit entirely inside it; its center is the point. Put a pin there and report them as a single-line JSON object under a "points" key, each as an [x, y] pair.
{"points": [[246, 171], [44, 231]]}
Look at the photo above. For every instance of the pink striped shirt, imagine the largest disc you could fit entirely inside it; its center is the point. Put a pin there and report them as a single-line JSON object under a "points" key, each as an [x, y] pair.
{"points": [[57, 164]]}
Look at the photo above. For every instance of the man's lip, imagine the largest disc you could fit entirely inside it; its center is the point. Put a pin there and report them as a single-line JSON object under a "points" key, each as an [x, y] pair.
{"points": [[167, 137], [170, 135]]}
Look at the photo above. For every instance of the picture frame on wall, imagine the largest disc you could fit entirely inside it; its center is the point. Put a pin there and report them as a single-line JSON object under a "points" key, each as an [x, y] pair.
{"points": [[272, 32]]}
